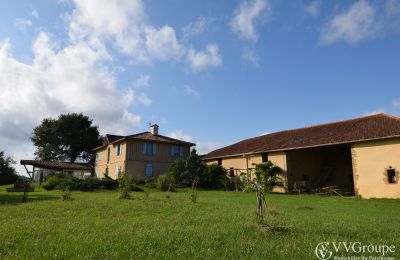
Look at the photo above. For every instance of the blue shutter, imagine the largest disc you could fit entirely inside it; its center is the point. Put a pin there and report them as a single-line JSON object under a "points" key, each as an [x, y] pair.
{"points": [[154, 149], [172, 150], [181, 151]]}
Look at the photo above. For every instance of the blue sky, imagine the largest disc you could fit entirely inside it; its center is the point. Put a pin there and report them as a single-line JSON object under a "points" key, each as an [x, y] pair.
{"points": [[213, 72]]}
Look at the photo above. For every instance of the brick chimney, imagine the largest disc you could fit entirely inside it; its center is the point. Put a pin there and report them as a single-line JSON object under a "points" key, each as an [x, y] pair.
{"points": [[154, 129]]}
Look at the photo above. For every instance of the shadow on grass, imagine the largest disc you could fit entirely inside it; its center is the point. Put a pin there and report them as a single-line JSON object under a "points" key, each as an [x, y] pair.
{"points": [[269, 228], [12, 198]]}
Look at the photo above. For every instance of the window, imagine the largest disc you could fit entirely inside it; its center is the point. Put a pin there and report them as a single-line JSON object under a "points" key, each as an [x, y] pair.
{"points": [[391, 173], [264, 157], [108, 154], [177, 150], [219, 161], [119, 149], [106, 172], [149, 170], [231, 172], [117, 171], [306, 177], [149, 149], [98, 156]]}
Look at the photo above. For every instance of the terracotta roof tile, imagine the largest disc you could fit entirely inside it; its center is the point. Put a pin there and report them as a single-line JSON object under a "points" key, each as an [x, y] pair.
{"points": [[145, 136], [349, 131]]}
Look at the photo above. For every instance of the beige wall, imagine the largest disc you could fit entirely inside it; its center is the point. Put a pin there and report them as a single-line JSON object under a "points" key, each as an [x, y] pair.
{"points": [[242, 163], [279, 159], [115, 160], [370, 161]]}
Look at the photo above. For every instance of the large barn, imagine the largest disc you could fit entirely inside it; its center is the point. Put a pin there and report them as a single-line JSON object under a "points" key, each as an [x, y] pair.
{"points": [[360, 156]]}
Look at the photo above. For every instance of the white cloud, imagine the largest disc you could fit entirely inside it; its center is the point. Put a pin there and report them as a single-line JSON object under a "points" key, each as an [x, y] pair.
{"points": [[70, 79], [201, 60], [201, 147], [206, 147], [265, 133], [22, 24], [125, 25], [144, 99], [374, 112], [162, 44], [181, 136], [249, 56], [191, 91], [196, 28], [244, 17], [313, 7], [35, 13], [354, 25], [396, 103], [142, 81]]}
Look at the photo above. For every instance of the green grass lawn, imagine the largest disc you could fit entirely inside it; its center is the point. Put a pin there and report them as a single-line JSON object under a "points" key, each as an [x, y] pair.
{"points": [[220, 225]]}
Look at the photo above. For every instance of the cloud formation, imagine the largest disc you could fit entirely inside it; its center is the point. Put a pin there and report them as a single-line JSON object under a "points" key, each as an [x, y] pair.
{"points": [[244, 18], [351, 26]]}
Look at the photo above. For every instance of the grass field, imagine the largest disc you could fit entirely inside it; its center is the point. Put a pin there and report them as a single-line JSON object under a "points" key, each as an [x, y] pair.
{"points": [[220, 225]]}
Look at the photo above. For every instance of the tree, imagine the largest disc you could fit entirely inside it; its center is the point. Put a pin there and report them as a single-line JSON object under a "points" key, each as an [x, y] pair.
{"points": [[268, 175], [68, 138], [214, 177], [194, 168], [7, 171], [176, 170]]}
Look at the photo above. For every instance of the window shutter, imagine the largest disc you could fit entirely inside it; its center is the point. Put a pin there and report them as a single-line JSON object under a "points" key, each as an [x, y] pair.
{"points": [[172, 150], [144, 148], [154, 149], [181, 151]]}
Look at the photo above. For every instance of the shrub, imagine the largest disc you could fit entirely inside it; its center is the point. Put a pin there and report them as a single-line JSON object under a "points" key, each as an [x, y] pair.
{"points": [[165, 183], [124, 186], [213, 177], [135, 187], [66, 194], [51, 182], [60, 182], [193, 194], [176, 170]]}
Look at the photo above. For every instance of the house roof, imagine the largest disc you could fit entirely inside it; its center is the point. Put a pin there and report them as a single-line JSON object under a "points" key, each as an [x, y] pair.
{"points": [[145, 136], [379, 126], [53, 165]]}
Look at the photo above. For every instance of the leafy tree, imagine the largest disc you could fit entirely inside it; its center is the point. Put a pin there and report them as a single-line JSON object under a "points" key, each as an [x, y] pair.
{"points": [[68, 138], [268, 175], [7, 171], [214, 177], [194, 168], [176, 170]]}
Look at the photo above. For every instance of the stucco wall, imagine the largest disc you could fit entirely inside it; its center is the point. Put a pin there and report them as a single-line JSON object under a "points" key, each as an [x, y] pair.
{"points": [[279, 159], [115, 160], [370, 161]]}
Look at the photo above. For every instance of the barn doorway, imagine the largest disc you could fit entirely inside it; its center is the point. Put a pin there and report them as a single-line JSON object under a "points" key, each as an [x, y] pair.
{"points": [[312, 169]]}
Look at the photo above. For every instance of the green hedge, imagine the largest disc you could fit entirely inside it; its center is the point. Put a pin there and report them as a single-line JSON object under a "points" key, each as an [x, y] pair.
{"points": [[61, 183]]}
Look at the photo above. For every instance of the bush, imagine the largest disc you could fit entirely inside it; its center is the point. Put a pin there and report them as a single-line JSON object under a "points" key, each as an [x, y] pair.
{"points": [[213, 177], [165, 183], [62, 182], [135, 187], [51, 182]]}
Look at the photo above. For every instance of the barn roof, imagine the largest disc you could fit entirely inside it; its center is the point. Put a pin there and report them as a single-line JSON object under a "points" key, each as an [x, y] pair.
{"points": [[379, 126]]}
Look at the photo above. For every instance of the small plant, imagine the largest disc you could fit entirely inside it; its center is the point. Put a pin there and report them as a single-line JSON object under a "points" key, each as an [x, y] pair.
{"points": [[124, 186], [168, 195], [165, 183], [193, 191], [66, 194], [146, 194]]}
